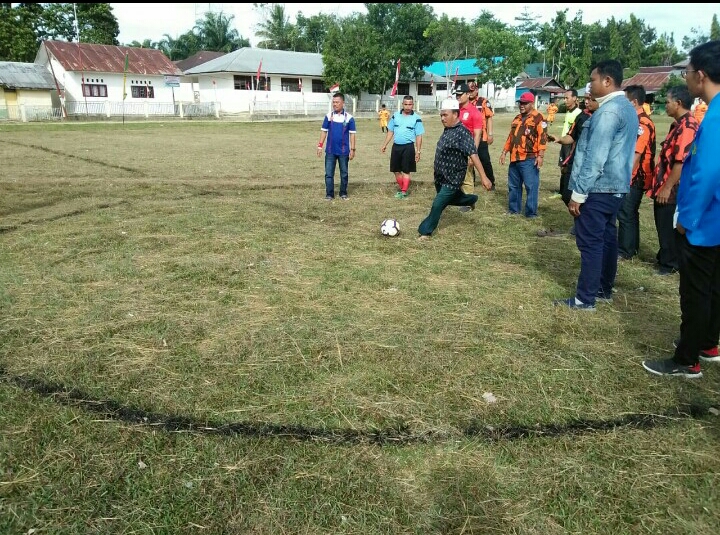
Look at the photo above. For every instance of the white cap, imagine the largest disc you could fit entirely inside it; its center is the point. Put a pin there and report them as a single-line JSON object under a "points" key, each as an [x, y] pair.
{"points": [[449, 104]]}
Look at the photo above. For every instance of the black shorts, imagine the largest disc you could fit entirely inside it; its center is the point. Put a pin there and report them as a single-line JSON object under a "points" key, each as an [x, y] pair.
{"points": [[402, 158]]}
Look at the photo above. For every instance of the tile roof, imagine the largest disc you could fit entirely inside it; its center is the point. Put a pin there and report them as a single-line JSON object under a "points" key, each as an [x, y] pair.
{"points": [[110, 58], [16, 75]]}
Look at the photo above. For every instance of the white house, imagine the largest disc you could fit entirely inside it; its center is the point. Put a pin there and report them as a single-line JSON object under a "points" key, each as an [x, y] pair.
{"points": [[95, 78]]}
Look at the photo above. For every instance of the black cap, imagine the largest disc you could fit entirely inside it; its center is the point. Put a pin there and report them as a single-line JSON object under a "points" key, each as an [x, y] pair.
{"points": [[462, 88]]}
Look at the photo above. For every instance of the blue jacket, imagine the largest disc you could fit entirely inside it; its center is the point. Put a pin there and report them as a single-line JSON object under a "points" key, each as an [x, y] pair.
{"points": [[606, 148], [698, 198]]}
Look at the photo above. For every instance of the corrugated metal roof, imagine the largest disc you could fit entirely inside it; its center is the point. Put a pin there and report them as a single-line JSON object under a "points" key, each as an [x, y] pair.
{"points": [[111, 59], [198, 58], [273, 62], [547, 84], [16, 75], [651, 82]]}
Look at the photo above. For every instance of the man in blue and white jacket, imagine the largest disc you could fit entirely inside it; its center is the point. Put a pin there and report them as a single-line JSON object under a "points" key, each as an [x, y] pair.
{"points": [[600, 179]]}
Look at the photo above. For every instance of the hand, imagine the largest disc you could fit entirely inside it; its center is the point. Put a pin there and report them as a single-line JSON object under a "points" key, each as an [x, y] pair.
{"points": [[485, 181], [417, 156], [552, 138], [663, 195], [502, 158], [539, 161], [680, 228], [352, 154], [574, 208], [490, 139], [319, 151], [382, 149]]}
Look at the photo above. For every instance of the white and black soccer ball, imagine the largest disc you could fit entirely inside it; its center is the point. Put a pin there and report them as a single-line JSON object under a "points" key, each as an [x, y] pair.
{"points": [[390, 227]]}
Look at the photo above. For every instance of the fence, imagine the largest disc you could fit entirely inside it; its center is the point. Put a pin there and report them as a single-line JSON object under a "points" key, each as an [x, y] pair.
{"points": [[264, 109]]}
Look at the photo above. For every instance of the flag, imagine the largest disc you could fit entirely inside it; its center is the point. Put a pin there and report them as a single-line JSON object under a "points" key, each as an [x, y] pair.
{"points": [[335, 88], [127, 62], [397, 78], [300, 84], [457, 69], [257, 76], [432, 83]]}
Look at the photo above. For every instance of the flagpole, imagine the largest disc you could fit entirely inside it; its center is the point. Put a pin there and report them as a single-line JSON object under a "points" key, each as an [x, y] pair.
{"points": [[82, 72], [127, 62]]}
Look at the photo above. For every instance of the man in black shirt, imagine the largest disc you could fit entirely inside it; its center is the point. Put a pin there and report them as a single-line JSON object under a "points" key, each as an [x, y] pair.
{"points": [[455, 146]]}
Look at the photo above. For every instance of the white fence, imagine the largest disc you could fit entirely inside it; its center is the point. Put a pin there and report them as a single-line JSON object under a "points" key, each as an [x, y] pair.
{"points": [[265, 109]]}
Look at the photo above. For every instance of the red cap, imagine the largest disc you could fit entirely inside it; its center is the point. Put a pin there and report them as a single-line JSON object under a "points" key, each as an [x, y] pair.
{"points": [[527, 97]]}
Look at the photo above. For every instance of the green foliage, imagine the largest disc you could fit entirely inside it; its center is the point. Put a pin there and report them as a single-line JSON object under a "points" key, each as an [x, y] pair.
{"points": [[673, 81], [502, 54], [214, 33], [19, 39], [449, 38]]}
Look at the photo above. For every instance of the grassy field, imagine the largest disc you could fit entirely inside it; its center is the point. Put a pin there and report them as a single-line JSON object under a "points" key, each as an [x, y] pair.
{"points": [[192, 340]]}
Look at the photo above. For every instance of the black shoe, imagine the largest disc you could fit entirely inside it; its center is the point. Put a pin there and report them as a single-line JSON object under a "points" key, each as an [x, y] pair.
{"points": [[670, 367], [602, 297], [708, 355]]}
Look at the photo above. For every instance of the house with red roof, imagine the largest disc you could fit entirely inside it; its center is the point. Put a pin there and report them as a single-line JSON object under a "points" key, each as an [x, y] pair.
{"points": [[97, 78]]}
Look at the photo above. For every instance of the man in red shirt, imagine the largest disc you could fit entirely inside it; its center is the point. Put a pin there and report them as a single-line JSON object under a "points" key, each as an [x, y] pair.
{"points": [[473, 120]]}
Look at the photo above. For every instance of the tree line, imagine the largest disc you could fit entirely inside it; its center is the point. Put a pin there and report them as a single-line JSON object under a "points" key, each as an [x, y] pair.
{"points": [[362, 49]]}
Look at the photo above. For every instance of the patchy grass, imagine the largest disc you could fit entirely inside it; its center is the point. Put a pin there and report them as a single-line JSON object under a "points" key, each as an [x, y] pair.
{"points": [[193, 340]]}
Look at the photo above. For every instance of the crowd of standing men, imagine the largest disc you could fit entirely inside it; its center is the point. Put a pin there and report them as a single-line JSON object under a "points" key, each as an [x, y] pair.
{"points": [[608, 163]]}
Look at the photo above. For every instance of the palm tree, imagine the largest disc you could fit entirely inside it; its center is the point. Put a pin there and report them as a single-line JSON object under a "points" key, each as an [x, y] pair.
{"points": [[214, 33], [276, 32]]}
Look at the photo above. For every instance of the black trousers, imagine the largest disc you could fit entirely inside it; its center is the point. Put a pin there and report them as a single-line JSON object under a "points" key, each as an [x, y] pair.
{"points": [[667, 255], [699, 299], [565, 190], [484, 155], [628, 219]]}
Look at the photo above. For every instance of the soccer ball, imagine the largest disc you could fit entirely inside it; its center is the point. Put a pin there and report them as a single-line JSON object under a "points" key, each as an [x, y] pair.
{"points": [[390, 227]]}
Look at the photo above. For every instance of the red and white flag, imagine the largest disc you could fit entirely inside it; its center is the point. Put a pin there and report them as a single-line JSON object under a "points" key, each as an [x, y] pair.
{"points": [[457, 69], [397, 78], [335, 88], [257, 76], [432, 83], [300, 84]]}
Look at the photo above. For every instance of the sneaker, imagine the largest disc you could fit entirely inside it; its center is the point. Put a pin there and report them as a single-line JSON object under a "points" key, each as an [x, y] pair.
{"points": [[603, 298], [665, 271], [344, 197], [708, 355], [571, 302], [556, 195], [670, 367], [423, 237], [329, 197], [401, 195]]}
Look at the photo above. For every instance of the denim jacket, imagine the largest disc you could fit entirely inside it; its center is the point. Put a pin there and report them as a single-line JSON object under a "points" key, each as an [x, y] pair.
{"points": [[606, 148]]}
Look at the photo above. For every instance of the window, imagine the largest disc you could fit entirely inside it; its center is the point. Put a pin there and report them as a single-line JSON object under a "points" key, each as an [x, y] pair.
{"points": [[441, 87], [290, 84], [424, 89], [403, 88], [94, 90], [318, 86], [242, 82], [142, 91], [264, 84]]}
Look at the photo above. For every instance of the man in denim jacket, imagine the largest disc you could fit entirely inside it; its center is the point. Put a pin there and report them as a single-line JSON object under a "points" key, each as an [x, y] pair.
{"points": [[600, 179]]}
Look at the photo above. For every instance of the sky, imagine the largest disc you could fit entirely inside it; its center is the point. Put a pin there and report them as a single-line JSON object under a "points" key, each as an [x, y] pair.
{"points": [[152, 21]]}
